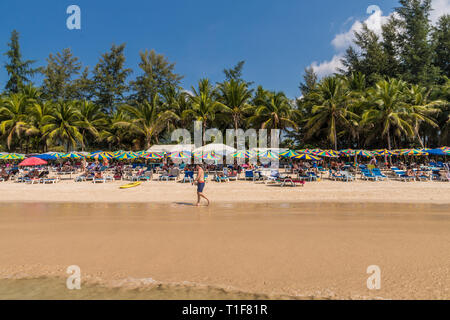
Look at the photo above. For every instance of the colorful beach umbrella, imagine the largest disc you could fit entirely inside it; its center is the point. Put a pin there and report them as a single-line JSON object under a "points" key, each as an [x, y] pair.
{"points": [[150, 155], [306, 156], [12, 156], [101, 155], [383, 152], [328, 154], [364, 153], [125, 155], [289, 154], [316, 151], [307, 151], [347, 152], [33, 161], [413, 152], [244, 154], [72, 155], [268, 155], [211, 156], [180, 155]]}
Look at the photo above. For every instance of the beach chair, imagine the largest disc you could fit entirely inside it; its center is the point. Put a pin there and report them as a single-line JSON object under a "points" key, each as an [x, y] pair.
{"points": [[146, 176], [377, 173], [249, 174], [50, 180], [274, 176], [367, 175], [336, 176], [188, 177], [174, 174]]}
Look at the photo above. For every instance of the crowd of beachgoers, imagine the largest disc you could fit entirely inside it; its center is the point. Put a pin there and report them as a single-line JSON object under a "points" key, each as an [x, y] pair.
{"points": [[290, 169]]}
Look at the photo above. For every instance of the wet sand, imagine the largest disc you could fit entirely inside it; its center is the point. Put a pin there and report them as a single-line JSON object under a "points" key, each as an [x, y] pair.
{"points": [[277, 250]]}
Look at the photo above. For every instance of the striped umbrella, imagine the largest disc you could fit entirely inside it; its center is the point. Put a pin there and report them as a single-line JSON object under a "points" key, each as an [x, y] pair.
{"points": [[327, 153], [307, 151], [56, 154], [72, 155], [306, 156], [244, 154], [289, 154], [100, 155], [211, 156], [180, 155], [316, 151], [125, 155], [268, 155], [151, 155], [364, 153], [383, 152], [413, 152], [347, 152], [12, 156]]}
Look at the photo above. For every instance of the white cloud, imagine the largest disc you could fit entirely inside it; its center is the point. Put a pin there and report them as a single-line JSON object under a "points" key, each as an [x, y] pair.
{"points": [[327, 67], [375, 22], [440, 7]]}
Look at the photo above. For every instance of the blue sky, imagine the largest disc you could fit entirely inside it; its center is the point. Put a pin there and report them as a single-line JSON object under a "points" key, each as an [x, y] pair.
{"points": [[278, 39]]}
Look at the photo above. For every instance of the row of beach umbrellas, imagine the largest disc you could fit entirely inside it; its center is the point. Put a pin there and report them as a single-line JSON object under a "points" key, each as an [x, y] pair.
{"points": [[304, 154]]}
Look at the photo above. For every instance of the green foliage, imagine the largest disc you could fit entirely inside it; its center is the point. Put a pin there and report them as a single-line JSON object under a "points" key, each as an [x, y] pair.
{"points": [[19, 70]]}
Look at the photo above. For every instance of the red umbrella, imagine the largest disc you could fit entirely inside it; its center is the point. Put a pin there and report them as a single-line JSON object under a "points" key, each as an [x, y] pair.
{"points": [[32, 162]]}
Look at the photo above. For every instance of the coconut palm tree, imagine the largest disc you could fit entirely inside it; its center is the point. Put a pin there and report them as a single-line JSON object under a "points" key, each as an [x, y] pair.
{"points": [[330, 110], [421, 109], [388, 111], [204, 106], [274, 112], [145, 120], [38, 112], [236, 96], [91, 120], [14, 117], [63, 125]]}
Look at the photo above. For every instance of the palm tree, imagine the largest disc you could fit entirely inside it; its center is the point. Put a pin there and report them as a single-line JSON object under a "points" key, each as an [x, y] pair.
{"points": [[62, 125], [113, 134], [330, 109], [273, 112], [39, 111], [388, 111], [146, 120], [204, 106], [235, 96], [14, 117], [91, 120], [421, 108]]}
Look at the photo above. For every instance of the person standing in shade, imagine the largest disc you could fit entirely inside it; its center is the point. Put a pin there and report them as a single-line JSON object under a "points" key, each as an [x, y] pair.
{"points": [[200, 181]]}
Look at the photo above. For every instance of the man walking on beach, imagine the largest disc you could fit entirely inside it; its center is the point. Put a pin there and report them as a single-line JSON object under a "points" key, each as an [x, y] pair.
{"points": [[200, 180]]}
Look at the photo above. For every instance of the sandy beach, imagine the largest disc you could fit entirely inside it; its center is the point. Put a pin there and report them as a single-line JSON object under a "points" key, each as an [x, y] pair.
{"points": [[288, 250], [231, 192]]}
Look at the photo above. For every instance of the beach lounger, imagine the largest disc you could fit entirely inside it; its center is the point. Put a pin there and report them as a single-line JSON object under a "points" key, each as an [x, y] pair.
{"points": [[377, 173], [367, 175], [188, 177], [50, 180], [249, 174], [291, 182]]}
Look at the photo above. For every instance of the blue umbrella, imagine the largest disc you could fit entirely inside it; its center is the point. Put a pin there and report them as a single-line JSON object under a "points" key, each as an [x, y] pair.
{"points": [[46, 156], [437, 152]]}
